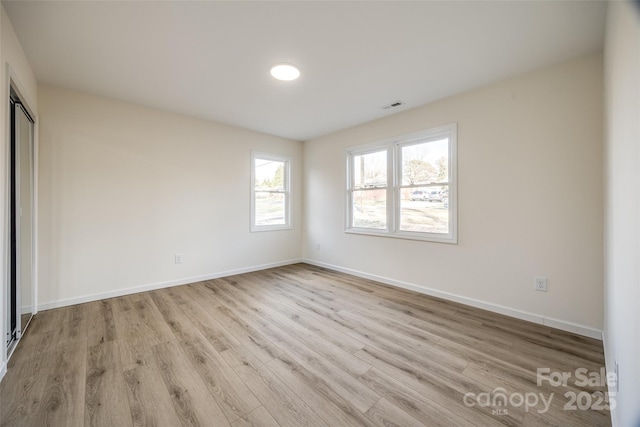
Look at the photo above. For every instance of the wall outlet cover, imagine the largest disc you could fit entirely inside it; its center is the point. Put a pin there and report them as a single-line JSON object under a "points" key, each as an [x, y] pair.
{"points": [[541, 284]]}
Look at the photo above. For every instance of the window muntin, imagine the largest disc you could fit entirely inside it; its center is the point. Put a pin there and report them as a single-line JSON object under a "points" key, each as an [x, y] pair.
{"points": [[270, 192], [413, 195]]}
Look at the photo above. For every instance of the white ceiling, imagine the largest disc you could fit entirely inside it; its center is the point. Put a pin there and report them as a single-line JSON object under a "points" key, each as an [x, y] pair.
{"points": [[211, 59]]}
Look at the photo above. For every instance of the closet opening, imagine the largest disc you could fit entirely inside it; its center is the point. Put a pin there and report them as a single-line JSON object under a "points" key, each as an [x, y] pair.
{"points": [[20, 215]]}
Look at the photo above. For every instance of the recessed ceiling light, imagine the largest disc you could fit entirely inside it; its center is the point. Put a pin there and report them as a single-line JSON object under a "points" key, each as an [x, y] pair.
{"points": [[285, 72]]}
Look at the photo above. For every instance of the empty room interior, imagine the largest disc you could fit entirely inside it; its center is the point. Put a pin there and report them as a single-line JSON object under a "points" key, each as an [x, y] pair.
{"points": [[320, 213]]}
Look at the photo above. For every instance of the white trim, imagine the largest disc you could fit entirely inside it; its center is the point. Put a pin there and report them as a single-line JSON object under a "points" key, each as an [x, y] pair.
{"points": [[496, 308], [3, 370], [34, 231], [575, 328], [612, 393], [160, 285], [406, 235]]}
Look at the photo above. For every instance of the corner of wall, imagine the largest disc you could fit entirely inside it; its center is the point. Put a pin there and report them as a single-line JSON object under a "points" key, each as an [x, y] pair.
{"points": [[621, 338]]}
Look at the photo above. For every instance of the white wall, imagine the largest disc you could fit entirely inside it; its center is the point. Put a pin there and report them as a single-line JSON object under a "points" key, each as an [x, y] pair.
{"points": [[530, 198], [622, 206], [10, 53], [123, 188]]}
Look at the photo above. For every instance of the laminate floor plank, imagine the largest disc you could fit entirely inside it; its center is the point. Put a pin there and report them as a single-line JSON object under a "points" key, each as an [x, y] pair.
{"points": [[398, 322], [259, 417], [308, 319], [149, 401], [410, 401], [242, 332], [285, 406], [34, 344], [393, 321], [377, 334], [318, 311], [139, 326], [105, 399], [333, 408], [289, 327], [522, 366], [536, 333], [396, 351], [326, 288], [519, 330], [62, 402], [187, 299], [333, 310], [340, 382], [230, 393], [435, 309], [190, 397], [384, 414], [101, 323], [292, 346], [22, 389], [439, 390], [352, 301], [64, 326], [475, 330], [554, 358], [250, 337]]}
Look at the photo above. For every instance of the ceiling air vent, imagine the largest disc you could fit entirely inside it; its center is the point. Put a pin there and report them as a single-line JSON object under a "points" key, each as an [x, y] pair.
{"points": [[392, 105]]}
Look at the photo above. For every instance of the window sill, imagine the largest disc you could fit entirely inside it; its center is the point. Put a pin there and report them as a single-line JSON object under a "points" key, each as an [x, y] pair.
{"points": [[433, 238], [259, 229]]}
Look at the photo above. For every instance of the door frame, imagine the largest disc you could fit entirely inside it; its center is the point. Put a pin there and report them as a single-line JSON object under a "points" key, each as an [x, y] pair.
{"points": [[12, 82]]}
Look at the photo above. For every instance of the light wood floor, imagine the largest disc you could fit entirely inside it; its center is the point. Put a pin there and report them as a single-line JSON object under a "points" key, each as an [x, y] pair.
{"points": [[292, 346]]}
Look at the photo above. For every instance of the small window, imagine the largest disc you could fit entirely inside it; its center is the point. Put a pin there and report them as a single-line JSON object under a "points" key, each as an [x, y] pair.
{"points": [[405, 187], [270, 192]]}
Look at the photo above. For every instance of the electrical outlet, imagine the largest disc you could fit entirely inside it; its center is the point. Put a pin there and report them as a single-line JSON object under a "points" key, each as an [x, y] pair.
{"points": [[178, 258], [540, 284]]}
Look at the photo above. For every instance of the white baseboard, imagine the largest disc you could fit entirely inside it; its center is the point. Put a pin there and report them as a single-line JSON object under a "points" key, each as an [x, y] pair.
{"points": [[160, 285], [496, 308], [3, 370]]}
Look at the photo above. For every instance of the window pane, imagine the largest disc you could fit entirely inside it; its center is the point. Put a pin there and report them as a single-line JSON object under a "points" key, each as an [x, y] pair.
{"points": [[425, 163], [370, 170], [425, 209], [269, 175], [270, 208], [370, 209]]}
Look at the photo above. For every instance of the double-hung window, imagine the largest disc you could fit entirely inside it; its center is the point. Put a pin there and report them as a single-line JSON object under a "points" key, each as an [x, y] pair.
{"points": [[270, 192], [405, 187]]}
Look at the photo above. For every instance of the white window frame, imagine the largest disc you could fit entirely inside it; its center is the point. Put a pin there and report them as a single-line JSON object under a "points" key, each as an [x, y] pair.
{"points": [[287, 191], [394, 184]]}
